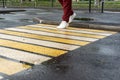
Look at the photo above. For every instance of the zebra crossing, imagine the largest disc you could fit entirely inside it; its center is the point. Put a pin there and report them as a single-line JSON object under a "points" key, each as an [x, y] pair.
{"points": [[25, 46]]}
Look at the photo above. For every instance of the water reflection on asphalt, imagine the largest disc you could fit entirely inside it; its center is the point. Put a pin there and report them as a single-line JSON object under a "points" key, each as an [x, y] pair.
{"points": [[14, 19]]}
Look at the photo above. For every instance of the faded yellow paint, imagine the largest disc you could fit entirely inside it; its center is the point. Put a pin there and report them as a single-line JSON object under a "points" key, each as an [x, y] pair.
{"points": [[10, 67], [63, 32], [68, 41], [92, 30], [84, 29], [32, 48]]}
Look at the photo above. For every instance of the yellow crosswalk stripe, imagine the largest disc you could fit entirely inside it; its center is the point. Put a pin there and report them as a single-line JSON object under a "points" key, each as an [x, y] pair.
{"points": [[9, 67], [67, 41], [92, 30], [84, 29], [53, 34], [23, 56], [76, 31], [32, 48], [40, 42], [63, 32], [34, 44]]}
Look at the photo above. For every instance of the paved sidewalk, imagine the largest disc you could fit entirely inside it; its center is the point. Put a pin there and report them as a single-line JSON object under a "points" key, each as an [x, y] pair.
{"points": [[107, 20]]}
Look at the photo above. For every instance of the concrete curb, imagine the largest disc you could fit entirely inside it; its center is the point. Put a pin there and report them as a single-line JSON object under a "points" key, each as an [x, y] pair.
{"points": [[80, 25]]}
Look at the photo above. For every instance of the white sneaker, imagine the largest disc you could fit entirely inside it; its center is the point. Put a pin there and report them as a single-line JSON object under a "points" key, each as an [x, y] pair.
{"points": [[63, 25], [72, 17]]}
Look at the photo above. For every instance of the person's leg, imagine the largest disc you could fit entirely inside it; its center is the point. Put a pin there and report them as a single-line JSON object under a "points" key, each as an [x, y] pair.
{"points": [[67, 9], [68, 15], [61, 2]]}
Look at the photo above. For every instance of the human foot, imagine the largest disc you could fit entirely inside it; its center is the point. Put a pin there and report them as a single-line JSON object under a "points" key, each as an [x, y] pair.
{"points": [[63, 25], [72, 17]]}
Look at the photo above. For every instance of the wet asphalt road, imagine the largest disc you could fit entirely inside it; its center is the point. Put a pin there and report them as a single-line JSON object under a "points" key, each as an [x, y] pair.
{"points": [[97, 61], [26, 17], [22, 18]]}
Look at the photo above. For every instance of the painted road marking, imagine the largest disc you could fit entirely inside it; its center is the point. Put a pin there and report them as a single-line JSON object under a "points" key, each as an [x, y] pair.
{"points": [[93, 30], [34, 44], [40, 42], [55, 34], [22, 56], [63, 32], [32, 48], [9, 67], [83, 29], [76, 31], [41, 37]]}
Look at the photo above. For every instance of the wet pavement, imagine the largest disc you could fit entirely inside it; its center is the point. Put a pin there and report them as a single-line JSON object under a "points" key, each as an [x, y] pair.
{"points": [[14, 19], [108, 20], [98, 60], [95, 20], [26, 17]]}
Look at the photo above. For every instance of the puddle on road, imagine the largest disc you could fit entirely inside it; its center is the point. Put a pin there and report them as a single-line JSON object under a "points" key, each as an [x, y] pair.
{"points": [[26, 20], [84, 19], [2, 18], [6, 13]]}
